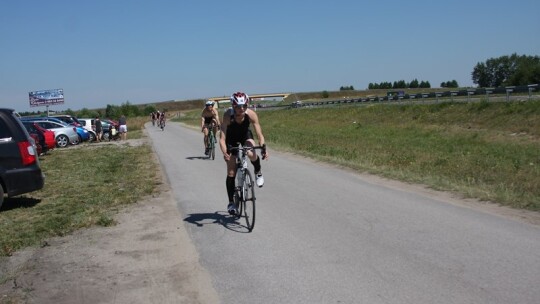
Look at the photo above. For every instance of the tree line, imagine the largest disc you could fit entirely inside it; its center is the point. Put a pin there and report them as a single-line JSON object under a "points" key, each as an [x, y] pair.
{"points": [[401, 84], [513, 70]]}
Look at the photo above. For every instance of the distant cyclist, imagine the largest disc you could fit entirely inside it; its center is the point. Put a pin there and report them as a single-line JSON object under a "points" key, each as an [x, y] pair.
{"points": [[162, 119], [235, 128], [153, 117], [209, 119]]}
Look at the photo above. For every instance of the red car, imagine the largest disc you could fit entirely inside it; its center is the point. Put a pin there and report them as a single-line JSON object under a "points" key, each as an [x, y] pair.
{"points": [[45, 138], [50, 140]]}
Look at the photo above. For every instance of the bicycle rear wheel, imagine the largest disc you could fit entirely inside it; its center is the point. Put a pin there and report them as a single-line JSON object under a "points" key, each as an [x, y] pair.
{"points": [[248, 201]]}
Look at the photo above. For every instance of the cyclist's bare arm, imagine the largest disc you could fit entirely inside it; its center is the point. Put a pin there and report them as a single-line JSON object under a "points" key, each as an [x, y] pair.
{"points": [[216, 116], [254, 118], [222, 139], [202, 121]]}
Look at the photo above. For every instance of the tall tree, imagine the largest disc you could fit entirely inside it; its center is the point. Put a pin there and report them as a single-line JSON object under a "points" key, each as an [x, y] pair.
{"points": [[507, 70], [527, 71], [425, 84]]}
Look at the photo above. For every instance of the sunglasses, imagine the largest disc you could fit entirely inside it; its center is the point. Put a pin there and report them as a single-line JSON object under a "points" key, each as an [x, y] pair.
{"points": [[241, 106]]}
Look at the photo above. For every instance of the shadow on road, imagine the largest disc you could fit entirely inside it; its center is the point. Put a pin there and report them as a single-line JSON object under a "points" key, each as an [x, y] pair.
{"points": [[196, 157], [219, 217]]}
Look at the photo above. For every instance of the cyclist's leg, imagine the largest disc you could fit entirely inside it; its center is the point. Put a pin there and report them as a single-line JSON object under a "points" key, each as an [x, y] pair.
{"points": [[230, 183], [256, 162], [205, 132], [252, 154], [216, 128]]}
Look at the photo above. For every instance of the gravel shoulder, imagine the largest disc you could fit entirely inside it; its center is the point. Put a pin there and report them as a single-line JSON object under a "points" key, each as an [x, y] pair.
{"points": [[147, 257]]}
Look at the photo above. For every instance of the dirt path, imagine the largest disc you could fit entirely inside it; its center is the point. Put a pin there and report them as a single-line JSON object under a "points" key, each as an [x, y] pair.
{"points": [[147, 257]]}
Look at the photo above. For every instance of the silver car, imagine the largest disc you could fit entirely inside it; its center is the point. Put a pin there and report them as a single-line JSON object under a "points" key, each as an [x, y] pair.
{"points": [[63, 134]]}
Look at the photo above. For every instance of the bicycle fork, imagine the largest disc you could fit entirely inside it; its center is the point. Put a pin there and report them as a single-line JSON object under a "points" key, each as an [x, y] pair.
{"points": [[240, 183]]}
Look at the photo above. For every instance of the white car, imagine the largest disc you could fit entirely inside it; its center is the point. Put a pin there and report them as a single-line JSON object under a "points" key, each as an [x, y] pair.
{"points": [[88, 124]]}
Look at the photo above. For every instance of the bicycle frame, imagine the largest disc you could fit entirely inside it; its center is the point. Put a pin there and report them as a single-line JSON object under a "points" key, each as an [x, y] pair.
{"points": [[211, 142], [241, 167], [244, 186]]}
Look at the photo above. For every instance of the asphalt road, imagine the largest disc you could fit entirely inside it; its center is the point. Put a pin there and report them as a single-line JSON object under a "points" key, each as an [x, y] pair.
{"points": [[327, 235]]}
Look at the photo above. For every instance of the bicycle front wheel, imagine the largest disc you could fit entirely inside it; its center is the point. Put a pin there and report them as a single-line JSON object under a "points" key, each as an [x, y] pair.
{"points": [[249, 200], [211, 142]]}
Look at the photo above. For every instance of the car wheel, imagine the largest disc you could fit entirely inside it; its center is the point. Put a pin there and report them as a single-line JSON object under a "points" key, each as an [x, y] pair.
{"points": [[105, 136], [62, 141], [92, 137]]}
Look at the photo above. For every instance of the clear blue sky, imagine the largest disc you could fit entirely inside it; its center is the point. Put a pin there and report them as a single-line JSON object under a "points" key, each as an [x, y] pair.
{"points": [[112, 51]]}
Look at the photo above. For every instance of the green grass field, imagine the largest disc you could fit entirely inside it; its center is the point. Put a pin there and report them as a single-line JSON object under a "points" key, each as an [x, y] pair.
{"points": [[489, 151]]}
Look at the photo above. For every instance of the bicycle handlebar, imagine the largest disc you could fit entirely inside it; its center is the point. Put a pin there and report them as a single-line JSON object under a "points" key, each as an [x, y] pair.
{"points": [[246, 148]]}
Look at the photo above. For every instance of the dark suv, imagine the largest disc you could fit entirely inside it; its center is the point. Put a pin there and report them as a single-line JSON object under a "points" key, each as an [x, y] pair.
{"points": [[19, 164], [71, 120]]}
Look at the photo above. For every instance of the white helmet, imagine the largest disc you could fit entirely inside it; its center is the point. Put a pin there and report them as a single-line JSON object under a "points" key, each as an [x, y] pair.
{"points": [[209, 103], [239, 99]]}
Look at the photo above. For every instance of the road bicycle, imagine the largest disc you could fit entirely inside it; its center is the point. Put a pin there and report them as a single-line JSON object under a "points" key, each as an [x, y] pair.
{"points": [[211, 146], [244, 190]]}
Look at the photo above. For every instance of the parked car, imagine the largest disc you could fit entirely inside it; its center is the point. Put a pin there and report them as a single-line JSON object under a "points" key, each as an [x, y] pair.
{"points": [[88, 124], [72, 120], [37, 135], [20, 171], [45, 137], [50, 139], [64, 134], [82, 132]]}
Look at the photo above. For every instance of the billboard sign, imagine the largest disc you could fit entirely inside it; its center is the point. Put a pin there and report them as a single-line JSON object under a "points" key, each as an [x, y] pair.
{"points": [[46, 97]]}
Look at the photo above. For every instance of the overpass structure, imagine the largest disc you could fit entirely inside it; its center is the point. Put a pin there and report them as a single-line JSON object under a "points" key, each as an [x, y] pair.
{"points": [[254, 97]]}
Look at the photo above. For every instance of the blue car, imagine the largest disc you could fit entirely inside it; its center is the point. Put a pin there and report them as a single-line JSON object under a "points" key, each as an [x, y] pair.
{"points": [[84, 135]]}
